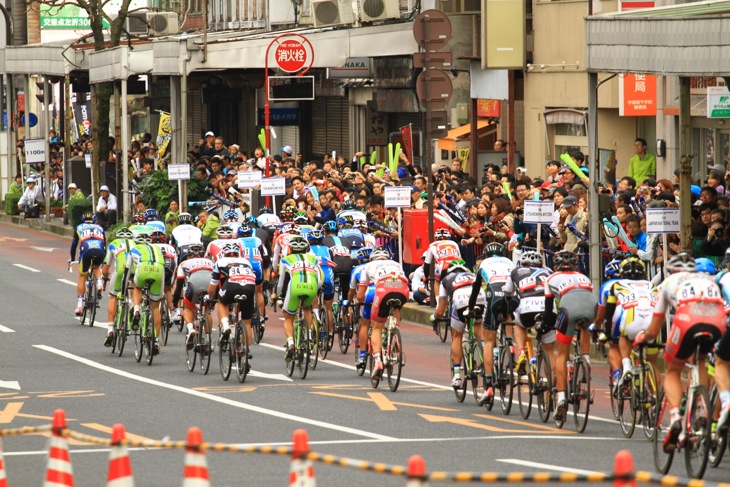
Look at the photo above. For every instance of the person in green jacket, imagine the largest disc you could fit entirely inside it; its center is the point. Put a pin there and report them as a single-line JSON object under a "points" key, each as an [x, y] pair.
{"points": [[171, 216], [74, 193], [208, 224], [16, 187]]}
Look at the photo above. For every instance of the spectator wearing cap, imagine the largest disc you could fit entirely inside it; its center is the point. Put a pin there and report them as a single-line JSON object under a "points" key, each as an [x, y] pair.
{"points": [[643, 164], [416, 201], [286, 152], [575, 215], [74, 193], [234, 150], [207, 148], [32, 195], [106, 207]]}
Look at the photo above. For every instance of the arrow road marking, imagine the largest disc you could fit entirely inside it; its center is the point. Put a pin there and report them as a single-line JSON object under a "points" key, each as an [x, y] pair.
{"points": [[10, 384], [536, 428], [44, 249], [256, 373], [5, 329], [545, 466], [26, 267]]}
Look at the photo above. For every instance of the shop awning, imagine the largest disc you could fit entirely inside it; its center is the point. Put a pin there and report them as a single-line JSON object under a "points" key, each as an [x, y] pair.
{"points": [[462, 133]]}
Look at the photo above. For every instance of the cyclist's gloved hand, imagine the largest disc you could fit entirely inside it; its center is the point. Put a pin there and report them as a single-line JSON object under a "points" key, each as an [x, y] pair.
{"points": [[592, 327], [465, 313], [640, 338], [279, 303], [69, 261], [206, 298]]}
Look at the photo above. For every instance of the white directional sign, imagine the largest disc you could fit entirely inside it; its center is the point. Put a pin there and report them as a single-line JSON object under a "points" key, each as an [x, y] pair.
{"points": [[249, 179], [35, 151], [178, 172], [539, 211], [397, 196], [273, 186], [662, 220]]}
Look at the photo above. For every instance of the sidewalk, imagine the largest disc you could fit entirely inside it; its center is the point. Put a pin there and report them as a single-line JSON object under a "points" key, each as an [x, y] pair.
{"points": [[55, 225]]}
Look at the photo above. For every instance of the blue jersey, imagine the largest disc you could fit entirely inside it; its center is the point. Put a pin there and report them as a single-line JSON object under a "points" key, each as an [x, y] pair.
{"points": [[87, 237], [255, 252], [603, 301], [369, 294], [354, 237], [157, 225], [328, 265]]}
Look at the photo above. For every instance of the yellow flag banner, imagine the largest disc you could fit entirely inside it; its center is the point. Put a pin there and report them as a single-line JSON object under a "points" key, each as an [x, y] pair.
{"points": [[463, 155], [164, 135]]}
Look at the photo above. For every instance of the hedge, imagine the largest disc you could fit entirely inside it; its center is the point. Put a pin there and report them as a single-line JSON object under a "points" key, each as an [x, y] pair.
{"points": [[11, 204], [76, 209]]}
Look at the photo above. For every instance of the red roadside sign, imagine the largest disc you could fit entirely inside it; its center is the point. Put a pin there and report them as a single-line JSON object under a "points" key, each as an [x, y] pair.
{"points": [[291, 55]]}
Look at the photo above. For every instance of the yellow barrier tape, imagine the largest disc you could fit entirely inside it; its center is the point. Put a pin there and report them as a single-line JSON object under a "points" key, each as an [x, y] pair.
{"points": [[25, 430]]}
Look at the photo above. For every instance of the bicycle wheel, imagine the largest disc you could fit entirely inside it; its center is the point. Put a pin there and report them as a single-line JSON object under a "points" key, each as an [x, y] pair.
{"points": [[525, 385], [92, 303], [613, 394], [166, 321], [323, 337], [117, 329], [138, 340], [241, 352], [290, 363], [662, 459], [190, 353], [442, 329], [460, 392], [627, 401], [581, 394], [344, 332], [314, 341], [648, 402], [85, 303], [543, 386], [505, 380], [205, 349], [395, 362], [149, 336], [697, 443], [718, 443], [225, 358], [305, 349], [257, 326], [374, 381], [476, 370]]}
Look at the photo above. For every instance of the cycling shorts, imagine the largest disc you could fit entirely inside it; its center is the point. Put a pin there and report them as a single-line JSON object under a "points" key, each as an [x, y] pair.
{"points": [[396, 289], [198, 281], [578, 305], [690, 319], [497, 305], [91, 256], [459, 302], [169, 272], [227, 296], [634, 321], [723, 347], [258, 270], [457, 316], [307, 290], [528, 320], [154, 274], [367, 309], [116, 279]]}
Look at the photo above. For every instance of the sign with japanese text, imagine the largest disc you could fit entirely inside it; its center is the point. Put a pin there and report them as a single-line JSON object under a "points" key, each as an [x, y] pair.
{"points": [[718, 102], [290, 55], [178, 172], [397, 196], [377, 126], [489, 108], [539, 211], [87, 160], [273, 186], [662, 220], [637, 95], [35, 151], [407, 134], [280, 117], [249, 179]]}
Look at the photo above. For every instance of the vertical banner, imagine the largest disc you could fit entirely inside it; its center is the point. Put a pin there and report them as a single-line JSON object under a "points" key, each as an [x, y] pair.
{"points": [[82, 113], [407, 134], [463, 154], [164, 135], [637, 95], [376, 125]]}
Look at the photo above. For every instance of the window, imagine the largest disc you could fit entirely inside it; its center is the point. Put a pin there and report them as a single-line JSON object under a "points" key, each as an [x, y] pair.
{"points": [[460, 6]]}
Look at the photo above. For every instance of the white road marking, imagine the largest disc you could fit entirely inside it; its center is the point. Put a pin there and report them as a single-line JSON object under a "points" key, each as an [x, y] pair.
{"points": [[545, 466], [26, 267], [255, 373], [44, 249], [5, 329], [97, 324], [210, 397], [10, 384], [66, 281]]}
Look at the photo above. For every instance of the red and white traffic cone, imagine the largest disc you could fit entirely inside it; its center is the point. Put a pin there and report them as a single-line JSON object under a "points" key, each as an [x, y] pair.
{"points": [[623, 465], [59, 472], [196, 467], [416, 472], [120, 466], [3, 477], [301, 471]]}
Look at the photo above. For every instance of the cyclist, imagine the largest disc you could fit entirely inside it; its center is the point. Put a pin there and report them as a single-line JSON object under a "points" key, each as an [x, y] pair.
{"points": [[439, 254], [606, 331], [527, 282], [233, 276], [390, 283], [258, 257], [349, 209], [630, 303], [368, 239], [569, 301], [457, 281], [363, 257], [495, 271], [159, 238], [301, 219], [184, 235], [722, 352], [145, 262], [214, 249], [341, 255], [139, 224], [316, 238], [115, 261], [301, 276], [192, 276], [354, 237], [267, 219], [153, 219], [281, 247], [698, 307], [230, 219], [89, 238]]}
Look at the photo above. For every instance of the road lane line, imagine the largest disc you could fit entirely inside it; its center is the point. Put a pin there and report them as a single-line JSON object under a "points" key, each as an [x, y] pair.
{"points": [[545, 466], [26, 267], [382, 402], [66, 281], [108, 430], [5, 329], [210, 397]]}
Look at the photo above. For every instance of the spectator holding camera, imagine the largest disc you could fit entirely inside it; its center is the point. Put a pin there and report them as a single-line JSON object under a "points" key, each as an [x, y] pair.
{"points": [[716, 241]]}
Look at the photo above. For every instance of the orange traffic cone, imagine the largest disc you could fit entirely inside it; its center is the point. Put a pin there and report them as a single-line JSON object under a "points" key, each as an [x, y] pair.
{"points": [[416, 472], [59, 472], [301, 471], [120, 466], [3, 477], [196, 468], [623, 466]]}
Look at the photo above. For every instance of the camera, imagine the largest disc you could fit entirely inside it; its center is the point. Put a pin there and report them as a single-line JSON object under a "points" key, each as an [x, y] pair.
{"points": [[605, 191], [720, 232]]}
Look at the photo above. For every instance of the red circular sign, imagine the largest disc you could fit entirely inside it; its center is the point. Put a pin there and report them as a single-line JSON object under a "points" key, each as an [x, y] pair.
{"points": [[291, 55]]}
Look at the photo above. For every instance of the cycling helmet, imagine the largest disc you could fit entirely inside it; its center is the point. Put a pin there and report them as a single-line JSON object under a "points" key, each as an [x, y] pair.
{"points": [[184, 218], [330, 226], [442, 234], [231, 250], [139, 219], [379, 253], [703, 264], [348, 205], [632, 268], [245, 231], [224, 232], [265, 210], [301, 218], [196, 250], [253, 222], [494, 249], [565, 260], [158, 236], [363, 254], [726, 260], [286, 215], [682, 262], [360, 224], [292, 229], [612, 268], [345, 221], [315, 236], [230, 216], [299, 245], [142, 237], [531, 258], [457, 265], [87, 217], [151, 214], [125, 233]]}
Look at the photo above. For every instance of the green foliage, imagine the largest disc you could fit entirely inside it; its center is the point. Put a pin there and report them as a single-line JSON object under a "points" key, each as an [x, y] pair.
{"points": [[156, 191], [56, 202], [11, 204], [76, 209], [111, 232]]}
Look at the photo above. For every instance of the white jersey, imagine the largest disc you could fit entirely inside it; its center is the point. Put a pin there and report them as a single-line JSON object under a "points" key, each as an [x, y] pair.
{"points": [[187, 235], [684, 288], [370, 241], [268, 220], [496, 270], [380, 271]]}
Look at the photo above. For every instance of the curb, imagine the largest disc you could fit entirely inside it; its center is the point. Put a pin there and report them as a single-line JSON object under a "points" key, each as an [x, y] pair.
{"points": [[54, 226]]}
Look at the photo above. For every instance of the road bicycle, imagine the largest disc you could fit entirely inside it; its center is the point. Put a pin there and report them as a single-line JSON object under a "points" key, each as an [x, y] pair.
{"points": [[258, 326], [166, 319], [302, 346], [472, 362], [503, 366], [349, 317], [121, 321], [637, 400], [537, 380], [91, 297], [442, 325], [578, 392], [391, 352], [325, 337], [696, 414], [719, 440], [202, 341], [144, 337], [235, 349]]}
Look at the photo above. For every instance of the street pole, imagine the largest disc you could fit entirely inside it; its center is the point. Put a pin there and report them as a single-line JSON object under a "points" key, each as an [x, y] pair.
{"points": [[595, 239], [125, 149], [685, 166], [44, 133]]}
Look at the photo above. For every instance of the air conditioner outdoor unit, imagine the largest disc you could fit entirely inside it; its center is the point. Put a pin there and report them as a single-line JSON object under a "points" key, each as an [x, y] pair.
{"points": [[163, 23], [332, 12], [136, 23], [372, 10]]}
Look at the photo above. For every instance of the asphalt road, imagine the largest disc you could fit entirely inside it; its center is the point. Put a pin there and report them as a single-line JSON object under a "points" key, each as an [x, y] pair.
{"points": [[49, 361]]}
